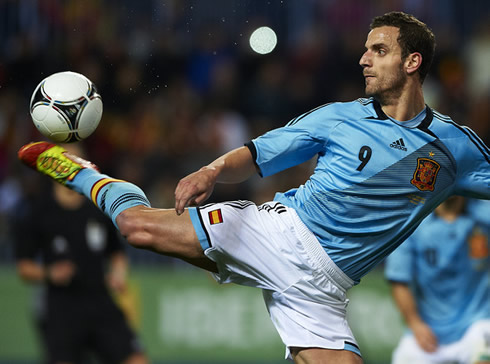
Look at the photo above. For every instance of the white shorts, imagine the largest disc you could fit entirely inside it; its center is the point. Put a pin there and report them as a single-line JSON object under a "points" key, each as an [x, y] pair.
{"points": [[473, 347], [269, 247]]}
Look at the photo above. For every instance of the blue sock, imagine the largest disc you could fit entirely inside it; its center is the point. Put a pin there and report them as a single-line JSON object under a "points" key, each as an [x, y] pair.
{"points": [[110, 195]]}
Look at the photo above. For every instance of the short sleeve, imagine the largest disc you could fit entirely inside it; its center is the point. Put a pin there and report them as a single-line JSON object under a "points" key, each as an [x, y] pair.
{"points": [[399, 264]]}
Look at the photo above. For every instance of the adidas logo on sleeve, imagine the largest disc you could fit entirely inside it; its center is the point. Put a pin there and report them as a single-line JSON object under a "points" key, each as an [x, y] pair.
{"points": [[399, 144]]}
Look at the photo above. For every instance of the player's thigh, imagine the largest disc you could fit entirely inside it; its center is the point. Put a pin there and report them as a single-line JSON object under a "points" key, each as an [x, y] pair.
{"points": [[160, 230], [324, 356]]}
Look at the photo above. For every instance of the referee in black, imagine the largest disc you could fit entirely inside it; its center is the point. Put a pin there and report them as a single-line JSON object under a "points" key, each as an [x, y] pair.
{"points": [[68, 245]]}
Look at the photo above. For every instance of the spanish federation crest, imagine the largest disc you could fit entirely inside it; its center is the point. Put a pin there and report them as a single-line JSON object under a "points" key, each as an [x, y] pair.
{"points": [[424, 177]]}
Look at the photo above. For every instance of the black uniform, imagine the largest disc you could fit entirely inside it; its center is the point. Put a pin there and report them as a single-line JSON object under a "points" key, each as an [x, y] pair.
{"points": [[81, 316]]}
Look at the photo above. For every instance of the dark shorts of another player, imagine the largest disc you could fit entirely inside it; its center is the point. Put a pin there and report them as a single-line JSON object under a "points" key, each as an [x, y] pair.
{"points": [[73, 328]]}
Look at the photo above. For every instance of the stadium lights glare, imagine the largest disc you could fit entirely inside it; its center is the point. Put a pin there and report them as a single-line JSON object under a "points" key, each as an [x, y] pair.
{"points": [[263, 40]]}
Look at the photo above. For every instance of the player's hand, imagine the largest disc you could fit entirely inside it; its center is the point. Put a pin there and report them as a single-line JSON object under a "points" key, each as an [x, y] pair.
{"points": [[61, 273], [117, 281], [424, 336], [195, 188]]}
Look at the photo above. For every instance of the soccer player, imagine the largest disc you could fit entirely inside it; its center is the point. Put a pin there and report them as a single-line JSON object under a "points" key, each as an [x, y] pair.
{"points": [[74, 251], [440, 278], [383, 163]]}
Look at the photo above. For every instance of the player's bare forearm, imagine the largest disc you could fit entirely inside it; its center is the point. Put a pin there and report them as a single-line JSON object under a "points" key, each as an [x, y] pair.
{"points": [[233, 167], [407, 305], [405, 301]]}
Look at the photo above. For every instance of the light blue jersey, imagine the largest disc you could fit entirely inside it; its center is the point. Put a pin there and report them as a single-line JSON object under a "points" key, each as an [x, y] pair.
{"points": [[480, 210], [447, 267], [376, 178]]}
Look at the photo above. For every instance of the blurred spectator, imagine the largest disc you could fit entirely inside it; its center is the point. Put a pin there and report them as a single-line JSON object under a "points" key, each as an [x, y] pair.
{"points": [[477, 57]]}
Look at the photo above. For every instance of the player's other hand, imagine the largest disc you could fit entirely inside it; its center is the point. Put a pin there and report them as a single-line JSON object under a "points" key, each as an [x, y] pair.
{"points": [[117, 281], [424, 336], [61, 273], [195, 188]]}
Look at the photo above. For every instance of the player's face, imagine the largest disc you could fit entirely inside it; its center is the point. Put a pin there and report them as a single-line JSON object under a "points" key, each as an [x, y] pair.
{"points": [[382, 63]]}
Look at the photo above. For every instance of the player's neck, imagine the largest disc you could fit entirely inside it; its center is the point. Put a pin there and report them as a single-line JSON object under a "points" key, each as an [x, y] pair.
{"points": [[407, 105], [448, 216], [451, 208]]}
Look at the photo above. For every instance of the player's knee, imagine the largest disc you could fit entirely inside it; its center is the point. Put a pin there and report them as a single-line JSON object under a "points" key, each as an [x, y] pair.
{"points": [[125, 222], [133, 227], [159, 231], [318, 355]]}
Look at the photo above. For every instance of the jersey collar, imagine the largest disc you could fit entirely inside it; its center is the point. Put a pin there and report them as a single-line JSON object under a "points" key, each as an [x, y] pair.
{"points": [[423, 125]]}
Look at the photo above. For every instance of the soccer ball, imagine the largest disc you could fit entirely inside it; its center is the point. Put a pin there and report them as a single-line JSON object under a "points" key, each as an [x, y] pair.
{"points": [[65, 107]]}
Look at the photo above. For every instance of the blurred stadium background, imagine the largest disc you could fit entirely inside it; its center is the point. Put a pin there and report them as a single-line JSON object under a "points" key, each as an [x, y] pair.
{"points": [[181, 85]]}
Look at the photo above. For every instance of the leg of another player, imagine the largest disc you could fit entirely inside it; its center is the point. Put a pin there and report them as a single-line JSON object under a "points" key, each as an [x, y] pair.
{"points": [[164, 232], [324, 356]]}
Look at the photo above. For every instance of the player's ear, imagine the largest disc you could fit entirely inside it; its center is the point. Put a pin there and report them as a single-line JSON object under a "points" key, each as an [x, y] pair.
{"points": [[413, 62]]}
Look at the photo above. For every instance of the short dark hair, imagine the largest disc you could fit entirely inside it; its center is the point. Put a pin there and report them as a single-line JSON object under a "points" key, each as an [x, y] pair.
{"points": [[415, 36]]}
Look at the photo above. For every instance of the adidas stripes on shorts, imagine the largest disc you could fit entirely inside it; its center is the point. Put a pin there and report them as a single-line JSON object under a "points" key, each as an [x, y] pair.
{"points": [[269, 247]]}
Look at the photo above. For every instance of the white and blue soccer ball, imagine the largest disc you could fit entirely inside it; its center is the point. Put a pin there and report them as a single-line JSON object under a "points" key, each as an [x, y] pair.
{"points": [[65, 107]]}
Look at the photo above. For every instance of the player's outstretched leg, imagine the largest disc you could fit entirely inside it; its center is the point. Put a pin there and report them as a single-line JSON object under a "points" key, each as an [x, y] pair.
{"points": [[110, 195], [159, 230]]}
